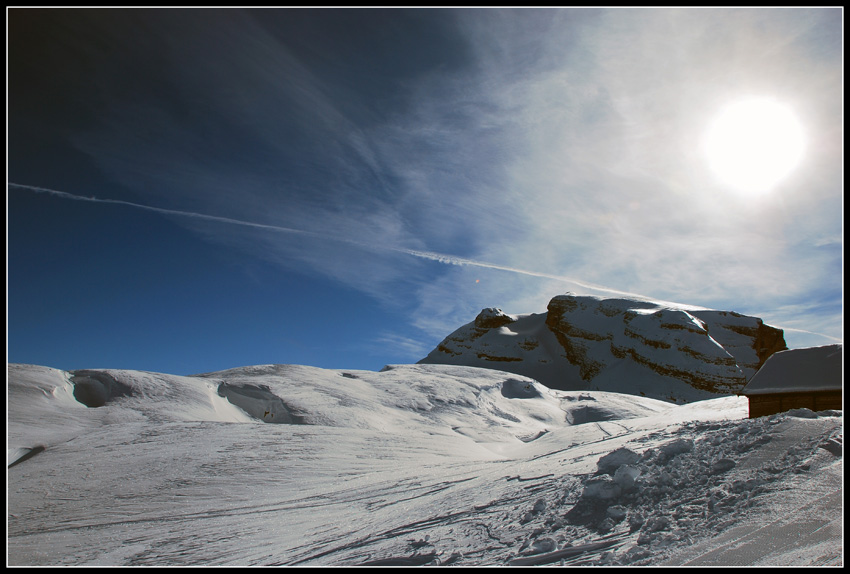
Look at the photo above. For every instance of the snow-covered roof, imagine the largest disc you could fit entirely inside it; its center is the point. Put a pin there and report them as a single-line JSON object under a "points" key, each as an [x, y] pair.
{"points": [[799, 370]]}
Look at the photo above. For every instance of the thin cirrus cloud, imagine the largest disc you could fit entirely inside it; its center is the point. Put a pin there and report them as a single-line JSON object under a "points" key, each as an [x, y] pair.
{"points": [[613, 152], [428, 255], [560, 144]]}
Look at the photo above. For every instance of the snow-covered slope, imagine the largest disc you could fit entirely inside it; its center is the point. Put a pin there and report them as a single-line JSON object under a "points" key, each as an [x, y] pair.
{"points": [[624, 345], [416, 464], [471, 406]]}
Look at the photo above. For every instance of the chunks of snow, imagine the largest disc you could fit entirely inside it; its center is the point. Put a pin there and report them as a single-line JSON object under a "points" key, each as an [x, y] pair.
{"points": [[802, 413], [675, 447], [722, 465], [603, 487], [609, 463], [625, 477], [543, 545], [539, 506]]}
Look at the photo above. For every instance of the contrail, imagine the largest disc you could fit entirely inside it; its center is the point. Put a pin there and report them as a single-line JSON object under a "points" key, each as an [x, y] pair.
{"points": [[66, 195], [429, 255], [452, 260], [830, 337]]}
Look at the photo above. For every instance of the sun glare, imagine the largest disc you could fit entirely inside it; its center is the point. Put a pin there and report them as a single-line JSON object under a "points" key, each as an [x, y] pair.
{"points": [[753, 144]]}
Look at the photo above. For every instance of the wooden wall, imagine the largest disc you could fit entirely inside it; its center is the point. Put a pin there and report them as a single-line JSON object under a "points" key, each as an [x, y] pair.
{"points": [[763, 405]]}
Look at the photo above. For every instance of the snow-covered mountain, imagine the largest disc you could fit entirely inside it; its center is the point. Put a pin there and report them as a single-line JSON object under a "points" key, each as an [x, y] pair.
{"points": [[631, 346], [416, 464]]}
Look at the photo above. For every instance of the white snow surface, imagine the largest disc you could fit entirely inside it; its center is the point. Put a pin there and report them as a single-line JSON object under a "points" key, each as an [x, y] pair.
{"points": [[413, 465], [799, 370]]}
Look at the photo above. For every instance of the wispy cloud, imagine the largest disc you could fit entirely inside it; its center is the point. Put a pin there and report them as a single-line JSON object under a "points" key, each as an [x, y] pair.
{"points": [[402, 348], [429, 255], [608, 156], [563, 152]]}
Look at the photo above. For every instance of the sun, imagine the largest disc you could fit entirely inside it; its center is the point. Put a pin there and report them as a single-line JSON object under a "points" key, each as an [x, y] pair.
{"points": [[753, 144]]}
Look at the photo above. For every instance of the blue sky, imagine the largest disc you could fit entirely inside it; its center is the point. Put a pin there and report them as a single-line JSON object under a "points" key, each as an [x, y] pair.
{"points": [[196, 190]]}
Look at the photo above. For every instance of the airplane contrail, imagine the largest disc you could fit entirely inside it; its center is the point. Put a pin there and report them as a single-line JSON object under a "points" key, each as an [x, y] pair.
{"points": [[830, 337], [429, 255], [66, 195], [453, 260]]}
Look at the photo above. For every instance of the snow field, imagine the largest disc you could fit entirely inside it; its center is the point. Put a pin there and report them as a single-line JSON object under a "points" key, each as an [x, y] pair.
{"points": [[423, 464]]}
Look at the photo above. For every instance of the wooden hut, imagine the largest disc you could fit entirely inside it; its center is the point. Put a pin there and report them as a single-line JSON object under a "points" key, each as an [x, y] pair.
{"points": [[809, 378]]}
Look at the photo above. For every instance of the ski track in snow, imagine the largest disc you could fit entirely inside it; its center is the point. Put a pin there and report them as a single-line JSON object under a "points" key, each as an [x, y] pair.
{"points": [[166, 475]]}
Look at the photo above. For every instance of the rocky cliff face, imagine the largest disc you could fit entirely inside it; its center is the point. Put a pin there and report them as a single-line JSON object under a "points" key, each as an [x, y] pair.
{"points": [[623, 345]]}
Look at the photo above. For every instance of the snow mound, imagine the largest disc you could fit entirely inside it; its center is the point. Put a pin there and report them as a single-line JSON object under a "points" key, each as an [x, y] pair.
{"points": [[599, 406], [489, 407], [494, 409]]}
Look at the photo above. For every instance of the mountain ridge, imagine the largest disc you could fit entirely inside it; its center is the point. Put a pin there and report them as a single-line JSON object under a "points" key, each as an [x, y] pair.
{"points": [[660, 350]]}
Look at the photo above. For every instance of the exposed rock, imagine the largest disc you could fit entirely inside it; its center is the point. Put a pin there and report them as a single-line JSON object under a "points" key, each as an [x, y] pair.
{"points": [[623, 345], [492, 318], [487, 320]]}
